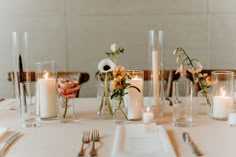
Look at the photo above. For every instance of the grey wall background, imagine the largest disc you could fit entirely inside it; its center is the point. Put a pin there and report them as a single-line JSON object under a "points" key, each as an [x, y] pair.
{"points": [[76, 33]]}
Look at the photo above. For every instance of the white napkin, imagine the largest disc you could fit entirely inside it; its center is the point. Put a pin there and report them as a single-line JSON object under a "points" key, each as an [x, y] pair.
{"points": [[3, 131], [139, 140]]}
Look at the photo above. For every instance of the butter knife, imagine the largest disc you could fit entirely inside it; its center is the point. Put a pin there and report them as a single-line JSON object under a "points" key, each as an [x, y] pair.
{"points": [[188, 140], [7, 142]]}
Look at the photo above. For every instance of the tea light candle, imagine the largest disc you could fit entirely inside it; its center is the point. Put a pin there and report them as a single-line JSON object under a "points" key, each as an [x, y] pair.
{"points": [[232, 118], [221, 106], [47, 97], [148, 116]]}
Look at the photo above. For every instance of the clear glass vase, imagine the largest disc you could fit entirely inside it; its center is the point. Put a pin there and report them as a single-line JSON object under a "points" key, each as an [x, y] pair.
{"points": [[204, 102], [103, 97], [66, 110], [119, 111]]}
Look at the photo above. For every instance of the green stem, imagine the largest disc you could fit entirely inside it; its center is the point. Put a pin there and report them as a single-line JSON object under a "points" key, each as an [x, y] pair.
{"points": [[105, 97], [190, 61], [66, 105]]}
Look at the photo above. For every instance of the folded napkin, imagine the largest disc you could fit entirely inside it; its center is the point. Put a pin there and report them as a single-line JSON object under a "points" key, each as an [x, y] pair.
{"points": [[139, 140], [3, 131]]}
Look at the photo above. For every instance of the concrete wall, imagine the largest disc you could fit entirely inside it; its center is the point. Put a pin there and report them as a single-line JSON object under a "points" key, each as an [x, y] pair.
{"points": [[76, 33]]}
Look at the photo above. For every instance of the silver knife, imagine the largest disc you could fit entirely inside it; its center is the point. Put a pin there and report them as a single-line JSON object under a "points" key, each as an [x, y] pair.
{"points": [[7, 142], [188, 140]]}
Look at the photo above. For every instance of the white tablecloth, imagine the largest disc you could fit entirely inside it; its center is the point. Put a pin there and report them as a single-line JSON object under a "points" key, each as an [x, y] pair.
{"points": [[52, 138]]}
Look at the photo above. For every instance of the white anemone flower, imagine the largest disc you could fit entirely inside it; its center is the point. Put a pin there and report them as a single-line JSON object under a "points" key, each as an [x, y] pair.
{"points": [[114, 47], [106, 65]]}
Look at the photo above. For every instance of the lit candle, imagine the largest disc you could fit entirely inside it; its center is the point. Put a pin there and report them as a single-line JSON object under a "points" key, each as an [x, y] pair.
{"points": [[47, 96], [134, 99], [222, 105], [147, 116]]}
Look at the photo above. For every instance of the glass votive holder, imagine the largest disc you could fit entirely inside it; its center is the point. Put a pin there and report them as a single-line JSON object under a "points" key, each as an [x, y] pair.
{"points": [[222, 94], [148, 115], [232, 118]]}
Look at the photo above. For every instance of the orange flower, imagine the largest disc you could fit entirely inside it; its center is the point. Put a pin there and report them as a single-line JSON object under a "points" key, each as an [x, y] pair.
{"points": [[116, 84], [119, 72]]}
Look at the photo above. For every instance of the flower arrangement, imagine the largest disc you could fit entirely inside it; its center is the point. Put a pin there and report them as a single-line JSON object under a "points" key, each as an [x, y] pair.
{"points": [[67, 88], [105, 67], [109, 71], [119, 85], [195, 67]]}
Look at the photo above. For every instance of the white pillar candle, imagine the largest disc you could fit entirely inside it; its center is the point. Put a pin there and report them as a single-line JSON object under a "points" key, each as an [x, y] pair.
{"points": [[221, 106], [134, 99], [155, 73], [148, 116], [47, 97]]}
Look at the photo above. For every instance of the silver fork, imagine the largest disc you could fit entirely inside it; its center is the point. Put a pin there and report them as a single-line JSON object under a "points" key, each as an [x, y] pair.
{"points": [[85, 139], [94, 138]]}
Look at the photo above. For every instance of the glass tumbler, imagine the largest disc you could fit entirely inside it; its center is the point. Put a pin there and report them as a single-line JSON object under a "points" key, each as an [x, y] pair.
{"points": [[182, 103]]}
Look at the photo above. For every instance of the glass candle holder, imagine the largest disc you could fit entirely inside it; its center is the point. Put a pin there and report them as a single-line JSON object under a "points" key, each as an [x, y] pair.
{"points": [[134, 98], [21, 64], [156, 84], [46, 88], [148, 116], [232, 117], [222, 94]]}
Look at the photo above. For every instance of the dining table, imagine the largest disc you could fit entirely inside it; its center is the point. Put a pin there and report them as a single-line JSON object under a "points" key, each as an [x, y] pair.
{"points": [[53, 138]]}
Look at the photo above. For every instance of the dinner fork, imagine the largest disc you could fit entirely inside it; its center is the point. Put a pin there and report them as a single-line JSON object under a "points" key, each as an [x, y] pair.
{"points": [[85, 139], [94, 137]]}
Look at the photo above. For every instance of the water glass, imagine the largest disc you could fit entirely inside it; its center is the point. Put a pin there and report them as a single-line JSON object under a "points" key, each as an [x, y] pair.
{"points": [[182, 103], [29, 114]]}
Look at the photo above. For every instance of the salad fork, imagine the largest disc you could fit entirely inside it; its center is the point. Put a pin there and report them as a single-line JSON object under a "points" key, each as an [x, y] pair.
{"points": [[85, 139], [94, 137]]}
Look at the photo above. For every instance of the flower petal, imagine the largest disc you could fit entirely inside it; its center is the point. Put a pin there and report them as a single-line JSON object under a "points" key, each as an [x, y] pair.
{"points": [[175, 51]]}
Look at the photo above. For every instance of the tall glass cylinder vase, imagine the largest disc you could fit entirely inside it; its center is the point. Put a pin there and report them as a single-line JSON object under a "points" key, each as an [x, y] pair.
{"points": [[222, 94], [21, 64], [46, 88], [134, 98], [156, 85]]}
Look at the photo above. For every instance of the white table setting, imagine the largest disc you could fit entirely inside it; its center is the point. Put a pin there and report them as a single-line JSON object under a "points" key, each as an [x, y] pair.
{"points": [[53, 138]]}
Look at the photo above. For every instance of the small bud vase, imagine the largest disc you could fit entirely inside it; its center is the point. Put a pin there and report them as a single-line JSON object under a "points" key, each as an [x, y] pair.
{"points": [[119, 111], [66, 110], [204, 102], [103, 97]]}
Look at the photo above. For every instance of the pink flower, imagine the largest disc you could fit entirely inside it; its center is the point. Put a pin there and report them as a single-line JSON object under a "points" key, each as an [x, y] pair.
{"points": [[67, 87]]}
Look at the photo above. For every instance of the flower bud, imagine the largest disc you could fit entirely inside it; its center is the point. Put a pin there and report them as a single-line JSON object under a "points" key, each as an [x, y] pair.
{"points": [[114, 47]]}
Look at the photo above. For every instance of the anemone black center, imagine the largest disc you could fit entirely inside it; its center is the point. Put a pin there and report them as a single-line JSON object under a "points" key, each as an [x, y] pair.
{"points": [[106, 67]]}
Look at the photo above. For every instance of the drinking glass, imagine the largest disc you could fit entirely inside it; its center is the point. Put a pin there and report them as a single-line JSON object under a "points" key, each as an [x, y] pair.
{"points": [[29, 114], [182, 103]]}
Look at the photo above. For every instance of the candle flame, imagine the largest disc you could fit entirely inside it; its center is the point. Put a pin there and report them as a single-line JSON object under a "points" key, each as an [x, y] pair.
{"points": [[223, 93], [46, 74], [136, 78], [148, 109]]}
